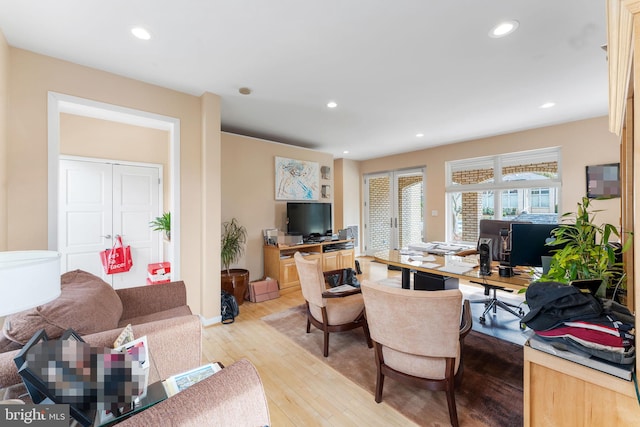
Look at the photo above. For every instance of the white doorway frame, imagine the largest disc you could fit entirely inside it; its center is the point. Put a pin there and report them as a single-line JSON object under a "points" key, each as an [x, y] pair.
{"points": [[60, 103]]}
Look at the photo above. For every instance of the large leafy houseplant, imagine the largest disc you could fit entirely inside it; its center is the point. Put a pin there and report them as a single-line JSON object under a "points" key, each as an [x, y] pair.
{"points": [[234, 237], [233, 280], [586, 250]]}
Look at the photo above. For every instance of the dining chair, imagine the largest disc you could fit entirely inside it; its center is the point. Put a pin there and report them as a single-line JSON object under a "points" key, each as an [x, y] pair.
{"points": [[418, 337], [326, 311]]}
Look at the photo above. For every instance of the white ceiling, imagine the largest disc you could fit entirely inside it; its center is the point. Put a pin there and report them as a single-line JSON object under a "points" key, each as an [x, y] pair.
{"points": [[395, 67]]}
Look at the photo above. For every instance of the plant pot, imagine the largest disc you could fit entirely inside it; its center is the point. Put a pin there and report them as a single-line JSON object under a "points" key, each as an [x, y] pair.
{"points": [[235, 283]]}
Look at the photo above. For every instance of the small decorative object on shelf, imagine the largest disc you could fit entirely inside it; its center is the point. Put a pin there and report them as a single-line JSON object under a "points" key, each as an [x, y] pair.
{"points": [[326, 172]]}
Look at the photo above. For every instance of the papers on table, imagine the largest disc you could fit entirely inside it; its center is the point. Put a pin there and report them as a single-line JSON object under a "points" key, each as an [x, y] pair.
{"points": [[422, 258], [177, 383], [438, 248], [456, 268], [430, 265]]}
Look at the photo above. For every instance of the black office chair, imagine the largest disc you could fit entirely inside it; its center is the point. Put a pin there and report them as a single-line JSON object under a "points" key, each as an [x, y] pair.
{"points": [[490, 229]]}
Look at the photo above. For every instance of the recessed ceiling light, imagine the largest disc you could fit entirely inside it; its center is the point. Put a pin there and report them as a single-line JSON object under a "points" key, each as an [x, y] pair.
{"points": [[503, 29], [332, 104], [141, 33], [245, 91], [345, 152], [548, 105], [419, 135]]}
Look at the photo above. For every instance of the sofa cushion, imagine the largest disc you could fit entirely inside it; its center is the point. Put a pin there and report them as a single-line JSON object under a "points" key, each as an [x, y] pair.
{"points": [[87, 304], [182, 310]]}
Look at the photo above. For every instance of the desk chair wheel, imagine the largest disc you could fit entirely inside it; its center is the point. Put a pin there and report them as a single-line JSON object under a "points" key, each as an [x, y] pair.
{"points": [[522, 326], [481, 319]]}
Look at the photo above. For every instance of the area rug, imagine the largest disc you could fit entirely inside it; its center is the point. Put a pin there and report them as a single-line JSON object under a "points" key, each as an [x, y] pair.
{"points": [[491, 393]]}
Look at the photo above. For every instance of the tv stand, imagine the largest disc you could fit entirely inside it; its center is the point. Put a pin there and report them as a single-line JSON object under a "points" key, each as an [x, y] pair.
{"points": [[280, 265]]}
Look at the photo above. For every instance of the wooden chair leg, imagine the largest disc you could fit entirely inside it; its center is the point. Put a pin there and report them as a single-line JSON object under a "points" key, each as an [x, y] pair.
{"points": [[451, 393], [379, 375], [367, 335], [379, 385], [451, 402], [326, 343]]}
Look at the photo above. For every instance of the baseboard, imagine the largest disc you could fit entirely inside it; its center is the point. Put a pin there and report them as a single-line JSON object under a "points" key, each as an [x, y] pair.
{"points": [[210, 321]]}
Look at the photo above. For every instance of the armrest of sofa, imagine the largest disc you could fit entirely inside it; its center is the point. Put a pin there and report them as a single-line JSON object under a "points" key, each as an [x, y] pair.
{"points": [[232, 397], [8, 371], [175, 344], [144, 300]]}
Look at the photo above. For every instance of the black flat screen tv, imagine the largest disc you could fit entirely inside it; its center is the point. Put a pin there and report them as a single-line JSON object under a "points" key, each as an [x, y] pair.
{"points": [[309, 219]]}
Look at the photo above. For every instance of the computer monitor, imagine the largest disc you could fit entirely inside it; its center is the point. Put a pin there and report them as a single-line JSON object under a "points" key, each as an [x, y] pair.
{"points": [[529, 244]]}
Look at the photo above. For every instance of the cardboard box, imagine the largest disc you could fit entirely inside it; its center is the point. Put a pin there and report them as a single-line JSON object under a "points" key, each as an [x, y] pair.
{"points": [[159, 272], [263, 290]]}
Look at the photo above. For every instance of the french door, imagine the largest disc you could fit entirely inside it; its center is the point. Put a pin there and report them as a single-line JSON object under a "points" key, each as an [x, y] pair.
{"points": [[100, 200], [393, 209]]}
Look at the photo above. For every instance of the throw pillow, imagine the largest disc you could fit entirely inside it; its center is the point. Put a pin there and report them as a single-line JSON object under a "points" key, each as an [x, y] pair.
{"points": [[87, 304]]}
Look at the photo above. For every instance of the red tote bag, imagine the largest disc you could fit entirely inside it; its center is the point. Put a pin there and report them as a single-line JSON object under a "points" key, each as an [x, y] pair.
{"points": [[117, 259]]}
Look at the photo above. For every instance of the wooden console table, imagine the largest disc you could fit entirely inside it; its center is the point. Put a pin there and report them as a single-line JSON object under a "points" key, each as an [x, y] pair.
{"points": [[280, 265]]}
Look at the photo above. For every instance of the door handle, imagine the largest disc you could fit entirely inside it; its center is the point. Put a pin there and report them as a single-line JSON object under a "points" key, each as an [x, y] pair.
{"points": [[108, 236]]}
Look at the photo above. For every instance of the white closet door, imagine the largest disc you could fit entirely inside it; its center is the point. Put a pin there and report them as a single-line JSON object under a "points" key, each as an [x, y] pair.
{"points": [[85, 217], [135, 203], [99, 201]]}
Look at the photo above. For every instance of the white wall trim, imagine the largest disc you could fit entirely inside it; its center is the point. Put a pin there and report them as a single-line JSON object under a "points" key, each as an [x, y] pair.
{"points": [[60, 103], [210, 321]]}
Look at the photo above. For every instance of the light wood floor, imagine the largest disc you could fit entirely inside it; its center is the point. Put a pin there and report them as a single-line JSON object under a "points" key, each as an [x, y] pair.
{"points": [[301, 390]]}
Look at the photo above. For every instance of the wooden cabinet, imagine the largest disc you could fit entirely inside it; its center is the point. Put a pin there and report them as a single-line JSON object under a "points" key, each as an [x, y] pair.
{"points": [[559, 393], [280, 265], [336, 260]]}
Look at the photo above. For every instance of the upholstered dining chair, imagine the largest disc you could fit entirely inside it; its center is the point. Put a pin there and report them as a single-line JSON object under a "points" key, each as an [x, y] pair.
{"points": [[329, 313], [418, 337]]}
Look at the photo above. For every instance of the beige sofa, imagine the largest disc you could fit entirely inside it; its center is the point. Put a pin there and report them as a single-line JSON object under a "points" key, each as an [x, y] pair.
{"points": [[98, 313], [234, 396]]}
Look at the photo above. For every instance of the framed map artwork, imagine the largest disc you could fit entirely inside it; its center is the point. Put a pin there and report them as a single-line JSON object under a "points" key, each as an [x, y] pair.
{"points": [[297, 179]]}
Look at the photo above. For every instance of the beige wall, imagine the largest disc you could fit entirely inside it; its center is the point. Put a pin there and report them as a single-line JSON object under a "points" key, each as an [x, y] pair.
{"points": [[584, 142], [348, 185], [248, 189], [4, 89], [104, 139], [237, 170], [31, 77]]}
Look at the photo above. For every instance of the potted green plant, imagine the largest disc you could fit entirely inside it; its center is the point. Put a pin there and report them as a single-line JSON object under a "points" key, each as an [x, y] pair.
{"points": [[233, 280], [162, 223], [585, 250]]}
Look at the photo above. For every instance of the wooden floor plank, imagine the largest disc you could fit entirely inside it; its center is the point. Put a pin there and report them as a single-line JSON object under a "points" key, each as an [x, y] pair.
{"points": [[301, 390]]}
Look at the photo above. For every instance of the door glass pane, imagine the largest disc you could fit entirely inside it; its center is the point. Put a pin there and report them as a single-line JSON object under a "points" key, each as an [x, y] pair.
{"points": [[410, 209], [379, 213]]}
